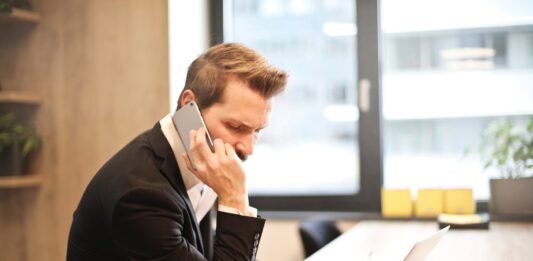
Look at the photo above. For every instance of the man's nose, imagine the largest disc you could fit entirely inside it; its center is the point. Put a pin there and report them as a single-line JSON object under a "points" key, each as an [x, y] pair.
{"points": [[246, 145]]}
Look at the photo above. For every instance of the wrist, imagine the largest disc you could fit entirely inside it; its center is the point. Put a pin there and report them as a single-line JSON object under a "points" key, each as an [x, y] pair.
{"points": [[237, 202]]}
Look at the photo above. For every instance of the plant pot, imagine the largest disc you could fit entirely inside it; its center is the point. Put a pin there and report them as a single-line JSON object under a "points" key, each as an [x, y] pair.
{"points": [[11, 161], [511, 199]]}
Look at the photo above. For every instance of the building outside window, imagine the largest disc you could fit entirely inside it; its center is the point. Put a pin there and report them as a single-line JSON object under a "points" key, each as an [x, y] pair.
{"points": [[311, 143], [448, 68]]}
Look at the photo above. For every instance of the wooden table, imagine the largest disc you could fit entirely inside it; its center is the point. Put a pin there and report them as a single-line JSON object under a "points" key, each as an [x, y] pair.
{"points": [[503, 241]]}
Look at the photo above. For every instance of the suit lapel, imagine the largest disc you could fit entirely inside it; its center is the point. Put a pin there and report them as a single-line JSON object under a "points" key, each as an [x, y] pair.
{"points": [[169, 168]]}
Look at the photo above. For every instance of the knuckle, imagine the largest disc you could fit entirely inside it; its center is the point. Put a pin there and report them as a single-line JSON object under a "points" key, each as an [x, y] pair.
{"points": [[201, 169], [194, 147], [213, 164], [225, 161]]}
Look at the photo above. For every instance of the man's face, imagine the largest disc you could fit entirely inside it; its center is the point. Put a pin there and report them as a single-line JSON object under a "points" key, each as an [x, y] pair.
{"points": [[239, 117]]}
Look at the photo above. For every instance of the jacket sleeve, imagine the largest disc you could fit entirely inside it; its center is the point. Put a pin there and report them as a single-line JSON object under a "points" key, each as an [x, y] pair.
{"points": [[148, 224], [237, 237]]}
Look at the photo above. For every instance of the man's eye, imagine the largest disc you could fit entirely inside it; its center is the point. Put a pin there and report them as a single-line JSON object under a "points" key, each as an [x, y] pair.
{"points": [[234, 127]]}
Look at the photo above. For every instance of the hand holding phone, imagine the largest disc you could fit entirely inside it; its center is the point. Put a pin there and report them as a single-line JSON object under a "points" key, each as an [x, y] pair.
{"points": [[189, 118], [220, 168]]}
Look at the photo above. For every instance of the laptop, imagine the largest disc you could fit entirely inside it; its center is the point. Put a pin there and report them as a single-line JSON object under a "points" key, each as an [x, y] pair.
{"points": [[419, 252]]}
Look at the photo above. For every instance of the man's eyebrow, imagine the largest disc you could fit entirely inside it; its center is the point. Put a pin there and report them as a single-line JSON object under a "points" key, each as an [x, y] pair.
{"points": [[246, 125]]}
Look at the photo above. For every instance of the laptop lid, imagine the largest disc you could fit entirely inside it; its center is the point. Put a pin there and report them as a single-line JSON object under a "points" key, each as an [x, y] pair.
{"points": [[418, 252], [422, 248]]}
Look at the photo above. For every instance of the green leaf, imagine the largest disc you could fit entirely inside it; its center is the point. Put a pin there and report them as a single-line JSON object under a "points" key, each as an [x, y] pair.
{"points": [[7, 121], [5, 7], [30, 144], [487, 165], [530, 125], [26, 147], [508, 146], [12, 132]]}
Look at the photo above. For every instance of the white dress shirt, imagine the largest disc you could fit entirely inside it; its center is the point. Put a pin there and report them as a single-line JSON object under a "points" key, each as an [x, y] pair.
{"points": [[202, 196]]}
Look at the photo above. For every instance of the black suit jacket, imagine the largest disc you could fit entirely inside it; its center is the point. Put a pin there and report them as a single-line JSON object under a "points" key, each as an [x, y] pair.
{"points": [[137, 208]]}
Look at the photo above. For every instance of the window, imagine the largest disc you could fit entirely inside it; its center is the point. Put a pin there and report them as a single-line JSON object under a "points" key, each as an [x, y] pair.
{"points": [[444, 80], [312, 134], [311, 149], [448, 69]]}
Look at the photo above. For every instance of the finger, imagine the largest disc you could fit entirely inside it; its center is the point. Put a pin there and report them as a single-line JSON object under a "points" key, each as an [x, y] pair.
{"points": [[230, 151], [220, 150], [194, 149], [192, 143], [201, 143]]}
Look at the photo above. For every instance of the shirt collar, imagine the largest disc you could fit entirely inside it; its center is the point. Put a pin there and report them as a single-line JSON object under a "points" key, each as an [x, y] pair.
{"points": [[171, 134]]}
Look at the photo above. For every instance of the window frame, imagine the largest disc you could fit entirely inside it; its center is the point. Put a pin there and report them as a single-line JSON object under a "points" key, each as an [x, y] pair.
{"points": [[370, 141]]}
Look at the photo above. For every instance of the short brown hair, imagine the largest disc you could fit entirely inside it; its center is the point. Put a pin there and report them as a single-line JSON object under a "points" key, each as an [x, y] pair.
{"points": [[208, 74]]}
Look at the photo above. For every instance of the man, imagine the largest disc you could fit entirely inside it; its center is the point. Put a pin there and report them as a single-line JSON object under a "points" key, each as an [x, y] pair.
{"points": [[148, 203]]}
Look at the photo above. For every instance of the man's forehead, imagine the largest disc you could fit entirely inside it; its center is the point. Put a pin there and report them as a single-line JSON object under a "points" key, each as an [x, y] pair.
{"points": [[249, 120], [241, 97]]}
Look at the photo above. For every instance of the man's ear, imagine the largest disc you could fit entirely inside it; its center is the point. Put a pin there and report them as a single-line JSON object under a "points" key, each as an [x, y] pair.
{"points": [[186, 97]]}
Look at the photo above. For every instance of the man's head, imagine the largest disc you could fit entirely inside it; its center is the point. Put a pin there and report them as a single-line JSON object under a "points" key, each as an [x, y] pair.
{"points": [[233, 87]]}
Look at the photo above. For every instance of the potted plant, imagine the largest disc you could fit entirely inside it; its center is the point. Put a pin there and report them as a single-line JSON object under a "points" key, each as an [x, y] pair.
{"points": [[7, 5], [16, 143], [508, 147]]}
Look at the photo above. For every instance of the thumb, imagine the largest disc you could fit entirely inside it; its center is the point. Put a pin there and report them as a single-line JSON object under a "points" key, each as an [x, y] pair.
{"points": [[230, 151]]}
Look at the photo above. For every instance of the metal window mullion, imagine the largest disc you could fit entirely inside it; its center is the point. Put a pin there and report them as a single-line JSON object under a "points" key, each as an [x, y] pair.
{"points": [[370, 132]]}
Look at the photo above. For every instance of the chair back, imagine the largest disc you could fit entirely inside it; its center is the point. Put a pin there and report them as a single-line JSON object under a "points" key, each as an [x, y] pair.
{"points": [[315, 234]]}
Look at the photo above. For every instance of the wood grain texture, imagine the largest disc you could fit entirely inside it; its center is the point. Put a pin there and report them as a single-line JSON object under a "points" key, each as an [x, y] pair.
{"points": [[101, 68], [13, 96], [24, 181], [20, 15]]}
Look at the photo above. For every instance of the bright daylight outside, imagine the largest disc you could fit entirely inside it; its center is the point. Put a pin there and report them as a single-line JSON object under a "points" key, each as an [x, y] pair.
{"points": [[311, 143], [443, 81]]}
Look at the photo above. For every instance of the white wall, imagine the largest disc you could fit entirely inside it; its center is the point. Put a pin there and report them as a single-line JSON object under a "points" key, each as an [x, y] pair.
{"points": [[188, 36]]}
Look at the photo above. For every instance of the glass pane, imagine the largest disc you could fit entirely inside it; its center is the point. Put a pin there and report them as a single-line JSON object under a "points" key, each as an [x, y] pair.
{"points": [[450, 68], [310, 146]]}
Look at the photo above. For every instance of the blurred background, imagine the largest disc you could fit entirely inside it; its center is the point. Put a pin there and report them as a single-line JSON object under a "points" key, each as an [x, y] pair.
{"points": [[392, 94]]}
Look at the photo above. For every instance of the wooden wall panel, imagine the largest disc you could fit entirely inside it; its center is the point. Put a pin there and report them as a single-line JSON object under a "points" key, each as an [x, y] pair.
{"points": [[102, 69]]}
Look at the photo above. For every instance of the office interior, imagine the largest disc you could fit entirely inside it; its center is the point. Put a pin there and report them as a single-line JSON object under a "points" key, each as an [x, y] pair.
{"points": [[382, 95]]}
